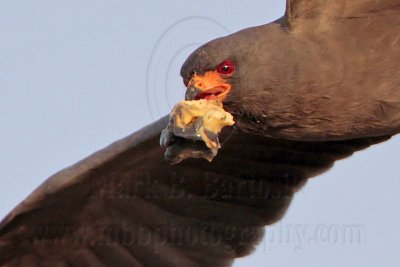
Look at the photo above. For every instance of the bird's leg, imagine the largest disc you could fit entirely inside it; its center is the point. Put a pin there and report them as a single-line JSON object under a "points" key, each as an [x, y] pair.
{"points": [[196, 124]]}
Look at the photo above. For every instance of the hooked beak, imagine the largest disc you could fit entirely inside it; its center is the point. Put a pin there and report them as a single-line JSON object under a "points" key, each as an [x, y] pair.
{"points": [[210, 86]]}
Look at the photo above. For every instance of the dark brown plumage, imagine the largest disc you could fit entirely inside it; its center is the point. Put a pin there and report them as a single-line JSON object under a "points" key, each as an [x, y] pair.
{"points": [[328, 70], [298, 79]]}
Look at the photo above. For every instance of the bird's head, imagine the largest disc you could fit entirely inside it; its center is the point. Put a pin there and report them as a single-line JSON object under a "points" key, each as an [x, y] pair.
{"points": [[239, 70], [213, 71]]}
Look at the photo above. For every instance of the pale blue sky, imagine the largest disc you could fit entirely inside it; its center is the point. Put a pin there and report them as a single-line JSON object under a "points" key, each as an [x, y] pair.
{"points": [[77, 75]]}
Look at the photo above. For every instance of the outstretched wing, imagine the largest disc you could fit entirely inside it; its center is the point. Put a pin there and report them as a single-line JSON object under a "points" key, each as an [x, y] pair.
{"points": [[125, 206], [298, 10]]}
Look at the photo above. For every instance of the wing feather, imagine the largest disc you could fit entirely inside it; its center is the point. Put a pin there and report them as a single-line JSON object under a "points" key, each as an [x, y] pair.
{"points": [[297, 10], [125, 206]]}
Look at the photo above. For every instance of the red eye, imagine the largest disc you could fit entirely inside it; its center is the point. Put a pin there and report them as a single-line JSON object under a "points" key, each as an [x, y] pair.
{"points": [[226, 67]]}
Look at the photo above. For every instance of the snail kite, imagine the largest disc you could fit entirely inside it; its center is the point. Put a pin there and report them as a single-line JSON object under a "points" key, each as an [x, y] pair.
{"points": [[304, 91]]}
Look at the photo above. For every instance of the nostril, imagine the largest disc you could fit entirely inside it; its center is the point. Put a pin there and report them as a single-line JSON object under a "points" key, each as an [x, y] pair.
{"points": [[199, 84]]}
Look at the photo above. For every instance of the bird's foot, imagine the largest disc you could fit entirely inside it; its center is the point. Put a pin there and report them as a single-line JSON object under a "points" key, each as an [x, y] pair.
{"points": [[193, 130]]}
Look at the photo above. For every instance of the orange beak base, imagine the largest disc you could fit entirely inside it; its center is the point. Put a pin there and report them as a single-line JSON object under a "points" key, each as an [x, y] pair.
{"points": [[210, 86]]}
